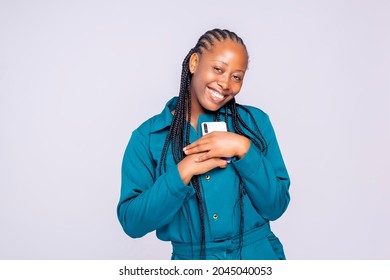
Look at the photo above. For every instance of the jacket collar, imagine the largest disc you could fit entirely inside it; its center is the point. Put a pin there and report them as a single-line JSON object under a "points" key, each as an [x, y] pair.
{"points": [[164, 119]]}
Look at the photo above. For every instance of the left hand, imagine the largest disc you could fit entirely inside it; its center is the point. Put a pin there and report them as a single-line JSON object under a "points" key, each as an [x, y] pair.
{"points": [[219, 144]]}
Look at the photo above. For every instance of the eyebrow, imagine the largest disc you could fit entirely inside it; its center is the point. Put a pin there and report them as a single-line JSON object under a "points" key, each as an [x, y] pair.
{"points": [[223, 62]]}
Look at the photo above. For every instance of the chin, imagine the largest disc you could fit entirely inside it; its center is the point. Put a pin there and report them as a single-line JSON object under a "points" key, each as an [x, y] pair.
{"points": [[211, 107]]}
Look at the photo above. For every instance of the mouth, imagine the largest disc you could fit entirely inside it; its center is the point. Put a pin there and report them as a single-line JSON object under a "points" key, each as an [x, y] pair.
{"points": [[215, 96]]}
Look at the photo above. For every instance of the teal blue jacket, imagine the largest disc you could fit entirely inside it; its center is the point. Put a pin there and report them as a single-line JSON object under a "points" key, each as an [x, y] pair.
{"points": [[151, 201]]}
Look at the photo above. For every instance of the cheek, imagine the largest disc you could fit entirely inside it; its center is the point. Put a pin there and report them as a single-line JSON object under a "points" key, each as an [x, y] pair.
{"points": [[209, 77], [201, 77], [195, 82], [200, 82], [206, 73], [236, 89]]}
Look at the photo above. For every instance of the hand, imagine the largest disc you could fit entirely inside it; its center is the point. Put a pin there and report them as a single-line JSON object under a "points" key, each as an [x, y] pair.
{"points": [[218, 144], [188, 167]]}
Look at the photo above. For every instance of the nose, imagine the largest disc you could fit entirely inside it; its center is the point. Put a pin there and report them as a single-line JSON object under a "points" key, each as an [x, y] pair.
{"points": [[223, 82]]}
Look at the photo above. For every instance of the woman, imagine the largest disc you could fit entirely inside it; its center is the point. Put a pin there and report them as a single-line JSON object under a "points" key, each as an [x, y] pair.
{"points": [[178, 182]]}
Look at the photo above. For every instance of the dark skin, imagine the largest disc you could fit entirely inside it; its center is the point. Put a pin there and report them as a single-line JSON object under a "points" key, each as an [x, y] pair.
{"points": [[217, 77]]}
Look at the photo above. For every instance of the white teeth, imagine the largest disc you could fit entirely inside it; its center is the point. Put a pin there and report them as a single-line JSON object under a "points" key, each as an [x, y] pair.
{"points": [[216, 95]]}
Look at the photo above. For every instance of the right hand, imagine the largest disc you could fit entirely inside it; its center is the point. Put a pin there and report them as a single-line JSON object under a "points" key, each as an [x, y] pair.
{"points": [[188, 167]]}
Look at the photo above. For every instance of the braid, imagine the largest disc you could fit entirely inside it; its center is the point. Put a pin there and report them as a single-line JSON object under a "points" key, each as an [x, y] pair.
{"points": [[227, 119], [175, 134], [196, 184], [257, 137], [179, 132], [241, 232]]}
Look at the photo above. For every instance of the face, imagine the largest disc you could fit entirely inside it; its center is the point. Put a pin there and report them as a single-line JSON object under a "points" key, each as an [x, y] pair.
{"points": [[218, 74]]}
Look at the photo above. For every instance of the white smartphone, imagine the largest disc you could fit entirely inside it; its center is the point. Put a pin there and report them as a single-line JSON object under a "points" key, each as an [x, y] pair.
{"points": [[208, 127]]}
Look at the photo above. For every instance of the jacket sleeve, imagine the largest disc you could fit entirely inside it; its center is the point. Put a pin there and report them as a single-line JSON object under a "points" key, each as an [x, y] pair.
{"points": [[265, 177], [146, 202]]}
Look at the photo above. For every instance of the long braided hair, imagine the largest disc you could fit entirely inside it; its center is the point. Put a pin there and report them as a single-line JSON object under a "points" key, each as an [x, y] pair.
{"points": [[179, 132]]}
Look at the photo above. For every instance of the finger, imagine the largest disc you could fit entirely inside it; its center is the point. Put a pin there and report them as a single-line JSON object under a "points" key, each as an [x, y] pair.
{"points": [[197, 149], [220, 162], [211, 164], [203, 157], [223, 163], [194, 157], [203, 140], [193, 144]]}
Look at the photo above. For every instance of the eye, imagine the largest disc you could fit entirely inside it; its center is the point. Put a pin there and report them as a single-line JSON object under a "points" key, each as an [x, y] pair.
{"points": [[217, 69], [237, 78]]}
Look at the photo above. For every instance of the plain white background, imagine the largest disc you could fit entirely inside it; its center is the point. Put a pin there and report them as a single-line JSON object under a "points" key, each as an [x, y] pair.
{"points": [[77, 77]]}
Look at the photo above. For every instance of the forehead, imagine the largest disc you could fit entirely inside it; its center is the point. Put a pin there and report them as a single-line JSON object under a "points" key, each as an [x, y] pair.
{"points": [[227, 51]]}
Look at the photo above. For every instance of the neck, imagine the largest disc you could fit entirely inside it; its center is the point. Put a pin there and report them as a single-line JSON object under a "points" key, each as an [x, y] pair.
{"points": [[196, 111]]}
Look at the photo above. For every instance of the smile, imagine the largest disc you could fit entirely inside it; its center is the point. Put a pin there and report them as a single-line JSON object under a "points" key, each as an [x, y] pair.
{"points": [[215, 95]]}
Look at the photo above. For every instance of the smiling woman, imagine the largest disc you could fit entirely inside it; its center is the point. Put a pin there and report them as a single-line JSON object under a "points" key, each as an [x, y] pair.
{"points": [[217, 76], [178, 182]]}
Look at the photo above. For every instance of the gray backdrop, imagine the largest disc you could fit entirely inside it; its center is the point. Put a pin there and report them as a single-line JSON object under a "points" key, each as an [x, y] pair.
{"points": [[77, 77]]}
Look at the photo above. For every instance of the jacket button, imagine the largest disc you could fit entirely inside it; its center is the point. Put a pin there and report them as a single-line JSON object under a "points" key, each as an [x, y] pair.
{"points": [[207, 177], [215, 216]]}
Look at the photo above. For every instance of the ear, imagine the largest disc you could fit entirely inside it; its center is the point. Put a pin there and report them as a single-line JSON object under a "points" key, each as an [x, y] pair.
{"points": [[194, 60]]}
